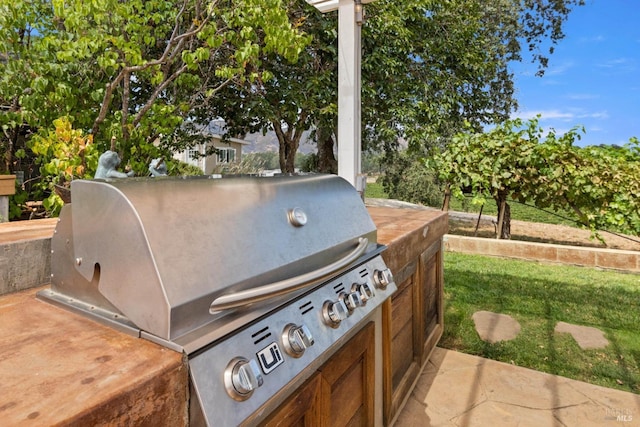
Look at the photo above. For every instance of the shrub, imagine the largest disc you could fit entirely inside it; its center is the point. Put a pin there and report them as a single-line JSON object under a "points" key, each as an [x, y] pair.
{"points": [[407, 178]]}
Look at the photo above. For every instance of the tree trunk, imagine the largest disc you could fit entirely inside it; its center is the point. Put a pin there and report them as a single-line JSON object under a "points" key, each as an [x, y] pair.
{"points": [[447, 198], [327, 162], [289, 142], [475, 233], [504, 216]]}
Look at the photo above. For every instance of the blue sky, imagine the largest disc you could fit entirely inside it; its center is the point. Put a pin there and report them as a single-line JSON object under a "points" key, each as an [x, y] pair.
{"points": [[593, 78]]}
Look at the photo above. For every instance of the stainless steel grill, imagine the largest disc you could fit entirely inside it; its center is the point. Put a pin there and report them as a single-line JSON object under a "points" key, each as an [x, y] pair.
{"points": [[255, 279]]}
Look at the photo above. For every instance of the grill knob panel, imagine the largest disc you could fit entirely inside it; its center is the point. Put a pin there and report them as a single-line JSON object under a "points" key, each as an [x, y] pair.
{"points": [[242, 377], [296, 339], [334, 312], [382, 278]]}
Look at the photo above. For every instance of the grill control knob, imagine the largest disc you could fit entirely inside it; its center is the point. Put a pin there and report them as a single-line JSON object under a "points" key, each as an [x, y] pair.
{"points": [[242, 377], [365, 290], [334, 312], [296, 339], [352, 300], [382, 278]]}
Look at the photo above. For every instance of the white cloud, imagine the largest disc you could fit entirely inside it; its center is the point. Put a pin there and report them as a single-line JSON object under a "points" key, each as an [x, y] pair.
{"points": [[596, 115], [544, 115], [555, 70], [593, 39], [614, 63], [562, 116], [618, 65], [582, 96]]}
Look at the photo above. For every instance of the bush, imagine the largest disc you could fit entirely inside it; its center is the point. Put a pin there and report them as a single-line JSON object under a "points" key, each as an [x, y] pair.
{"points": [[406, 178]]}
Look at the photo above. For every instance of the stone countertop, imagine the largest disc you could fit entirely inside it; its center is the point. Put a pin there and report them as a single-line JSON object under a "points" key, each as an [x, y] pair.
{"points": [[18, 231], [60, 368], [407, 232]]}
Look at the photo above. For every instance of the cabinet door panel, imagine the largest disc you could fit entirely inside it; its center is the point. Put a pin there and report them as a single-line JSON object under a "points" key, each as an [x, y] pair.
{"points": [[348, 382], [300, 410], [432, 299]]}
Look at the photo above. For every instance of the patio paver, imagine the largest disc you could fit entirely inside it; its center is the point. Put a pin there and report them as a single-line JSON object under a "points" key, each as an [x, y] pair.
{"points": [[494, 327], [456, 389], [587, 337]]}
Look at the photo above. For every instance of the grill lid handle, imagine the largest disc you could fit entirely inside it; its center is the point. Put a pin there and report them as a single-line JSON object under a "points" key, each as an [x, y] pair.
{"points": [[286, 286]]}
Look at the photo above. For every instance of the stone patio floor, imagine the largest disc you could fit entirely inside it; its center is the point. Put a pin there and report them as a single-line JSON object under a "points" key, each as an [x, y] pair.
{"points": [[456, 389]]}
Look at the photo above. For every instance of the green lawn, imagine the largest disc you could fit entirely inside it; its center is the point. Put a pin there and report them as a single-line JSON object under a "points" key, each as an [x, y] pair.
{"points": [[538, 296], [375, 190]]}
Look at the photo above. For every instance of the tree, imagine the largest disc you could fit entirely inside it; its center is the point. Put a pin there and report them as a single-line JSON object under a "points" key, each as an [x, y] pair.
{"points": [[517, 160], [405, 178], [497, 164], [292, 99], [131, 69], [428, 66], [433, 66], [600, 184]]}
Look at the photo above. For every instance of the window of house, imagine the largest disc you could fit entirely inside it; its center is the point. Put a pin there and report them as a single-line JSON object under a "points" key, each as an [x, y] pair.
{"points": [[226, 155], [193, 156]]}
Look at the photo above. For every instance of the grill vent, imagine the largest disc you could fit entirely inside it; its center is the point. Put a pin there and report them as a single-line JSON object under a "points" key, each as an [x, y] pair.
{"points": [[364, 273], [261, 335], [306, 307], [338, 288]]}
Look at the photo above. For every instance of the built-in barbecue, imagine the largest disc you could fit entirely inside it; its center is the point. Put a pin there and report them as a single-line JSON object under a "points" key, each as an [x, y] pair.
{"points": [[257, 280]]}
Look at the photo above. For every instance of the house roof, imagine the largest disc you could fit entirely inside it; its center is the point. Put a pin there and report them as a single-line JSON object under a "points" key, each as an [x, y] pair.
{"points": [[236, 140]]}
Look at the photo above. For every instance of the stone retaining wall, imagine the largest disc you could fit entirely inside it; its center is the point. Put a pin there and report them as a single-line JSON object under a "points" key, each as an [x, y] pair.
{"points": [[574, 255]]}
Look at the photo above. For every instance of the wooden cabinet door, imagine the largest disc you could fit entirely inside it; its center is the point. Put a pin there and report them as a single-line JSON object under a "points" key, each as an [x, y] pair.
{"points": [[300, 410], [340, 393], [348, 383]]}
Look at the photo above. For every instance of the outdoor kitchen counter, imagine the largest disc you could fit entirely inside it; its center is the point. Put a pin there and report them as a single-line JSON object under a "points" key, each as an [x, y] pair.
{"points": [[407, 232], [413, 318], [59, 368]]}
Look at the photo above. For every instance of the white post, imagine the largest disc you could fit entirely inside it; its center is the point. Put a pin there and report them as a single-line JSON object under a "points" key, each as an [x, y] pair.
{"points": [[349, 107]]}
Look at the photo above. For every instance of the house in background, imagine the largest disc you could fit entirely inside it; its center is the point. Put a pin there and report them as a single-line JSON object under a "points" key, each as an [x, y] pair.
{"points": [[227, 153]]}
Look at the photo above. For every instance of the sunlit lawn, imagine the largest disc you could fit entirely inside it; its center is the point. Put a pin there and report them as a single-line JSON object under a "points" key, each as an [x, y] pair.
{"points": [[538, 296]]}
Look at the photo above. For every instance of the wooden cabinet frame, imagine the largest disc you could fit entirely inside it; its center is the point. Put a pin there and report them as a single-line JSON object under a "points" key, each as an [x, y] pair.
{"points": [[420, 289]]}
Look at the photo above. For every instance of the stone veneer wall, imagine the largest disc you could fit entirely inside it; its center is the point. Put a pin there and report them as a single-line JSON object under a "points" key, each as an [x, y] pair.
{"points": [[574, 255]]}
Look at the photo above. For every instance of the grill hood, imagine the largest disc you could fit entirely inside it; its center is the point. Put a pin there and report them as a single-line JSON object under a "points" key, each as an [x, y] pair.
{"points": [[155, 253]]}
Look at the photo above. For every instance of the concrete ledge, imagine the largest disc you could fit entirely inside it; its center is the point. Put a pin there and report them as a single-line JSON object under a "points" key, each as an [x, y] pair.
{"points": [[575, 255], [25, 254]]}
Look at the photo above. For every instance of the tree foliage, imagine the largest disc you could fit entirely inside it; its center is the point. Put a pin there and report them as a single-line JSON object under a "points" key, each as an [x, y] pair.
{"points": [[64, 153], [133, 69], [406, 178], [294, 98], [427, 68], [158, 70], [518, 160]]}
